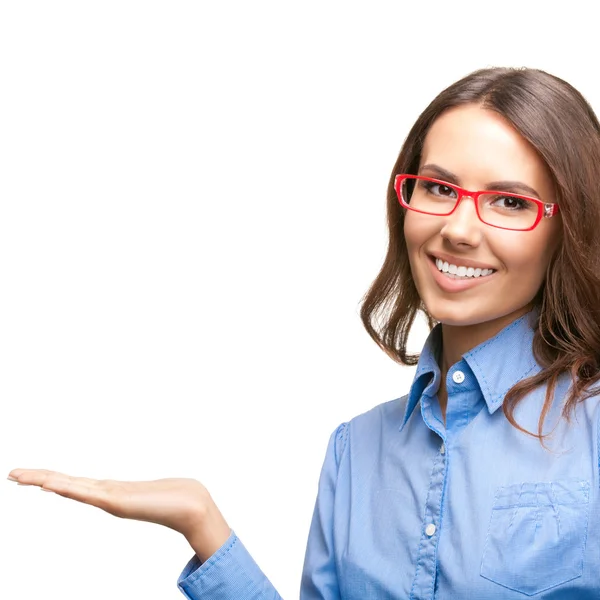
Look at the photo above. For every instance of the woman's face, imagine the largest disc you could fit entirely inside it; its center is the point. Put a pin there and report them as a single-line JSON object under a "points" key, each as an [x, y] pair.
{"points": [[478, 147]]}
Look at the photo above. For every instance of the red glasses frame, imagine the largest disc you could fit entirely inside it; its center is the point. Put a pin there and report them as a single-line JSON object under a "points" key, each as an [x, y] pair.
{"points": [[545, 209]]}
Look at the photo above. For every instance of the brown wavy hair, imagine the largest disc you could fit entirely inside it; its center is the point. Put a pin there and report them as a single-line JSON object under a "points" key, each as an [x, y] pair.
{"points": [[560, 124]]}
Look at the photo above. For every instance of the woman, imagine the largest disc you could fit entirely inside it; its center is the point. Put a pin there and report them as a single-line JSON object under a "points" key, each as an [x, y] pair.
{"points": [[494, 213]]}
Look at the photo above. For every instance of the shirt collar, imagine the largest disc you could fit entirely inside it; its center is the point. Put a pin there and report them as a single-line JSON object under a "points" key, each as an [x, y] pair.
{"points": [[498, 363]]}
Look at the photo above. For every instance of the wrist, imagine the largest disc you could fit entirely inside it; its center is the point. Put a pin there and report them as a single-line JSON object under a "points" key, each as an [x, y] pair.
{"points": [[208, 533]]}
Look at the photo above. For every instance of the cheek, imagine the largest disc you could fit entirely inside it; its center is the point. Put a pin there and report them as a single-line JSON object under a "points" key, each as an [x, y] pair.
{"points": [[415, 235], [417, 230], [526, 257], [408, 228]]}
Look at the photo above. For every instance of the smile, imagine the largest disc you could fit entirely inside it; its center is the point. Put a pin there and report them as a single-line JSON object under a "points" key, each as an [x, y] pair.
{"points": [[454, 282], [461, 272]]}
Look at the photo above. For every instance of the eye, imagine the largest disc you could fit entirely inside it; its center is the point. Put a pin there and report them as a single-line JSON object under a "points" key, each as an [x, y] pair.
{"points": [[511, 203], [444, 190], [439, 189], [508, 202]]}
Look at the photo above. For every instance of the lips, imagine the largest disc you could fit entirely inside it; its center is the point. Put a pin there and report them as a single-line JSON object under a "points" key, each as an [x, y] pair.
{"points": [[460, 262], [461, 271], [452, 284]]}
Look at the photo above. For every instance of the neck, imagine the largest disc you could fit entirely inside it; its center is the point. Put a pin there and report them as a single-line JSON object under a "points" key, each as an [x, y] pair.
{"points": [[457, 340]]}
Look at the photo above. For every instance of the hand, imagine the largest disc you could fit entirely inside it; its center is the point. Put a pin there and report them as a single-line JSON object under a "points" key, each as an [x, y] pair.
{"points": [[180, 504]]}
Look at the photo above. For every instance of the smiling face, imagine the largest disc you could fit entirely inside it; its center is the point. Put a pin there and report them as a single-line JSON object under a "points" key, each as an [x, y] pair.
{"points": [[473, 148]]}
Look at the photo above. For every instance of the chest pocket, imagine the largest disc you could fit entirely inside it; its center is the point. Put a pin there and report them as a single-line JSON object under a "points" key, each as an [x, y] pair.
{"points": [[536, 536]]}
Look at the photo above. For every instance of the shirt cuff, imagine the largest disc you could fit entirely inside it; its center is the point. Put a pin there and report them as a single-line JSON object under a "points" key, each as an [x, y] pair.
{"points": [[229, 573]]}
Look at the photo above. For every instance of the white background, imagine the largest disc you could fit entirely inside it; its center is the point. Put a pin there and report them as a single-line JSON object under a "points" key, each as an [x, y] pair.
{"points": [[192, 204]]}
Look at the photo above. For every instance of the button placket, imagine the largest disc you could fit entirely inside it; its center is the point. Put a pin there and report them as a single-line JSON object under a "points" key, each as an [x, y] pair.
{"points": [[426, 565]]}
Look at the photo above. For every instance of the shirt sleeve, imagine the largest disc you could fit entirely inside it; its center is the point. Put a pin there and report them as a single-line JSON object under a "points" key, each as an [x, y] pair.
{"points": [[229, 573], [319, 575]]}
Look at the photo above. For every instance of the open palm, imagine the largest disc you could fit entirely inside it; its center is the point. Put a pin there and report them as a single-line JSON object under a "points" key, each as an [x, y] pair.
{"points": [[184, 505]]}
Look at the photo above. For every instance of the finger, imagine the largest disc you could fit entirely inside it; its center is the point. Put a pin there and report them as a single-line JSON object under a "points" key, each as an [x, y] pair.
{"points": [[81, 489], [35, 476], [111, 496], [41, 476], [15, 474], [74, 488], [107, 495]]}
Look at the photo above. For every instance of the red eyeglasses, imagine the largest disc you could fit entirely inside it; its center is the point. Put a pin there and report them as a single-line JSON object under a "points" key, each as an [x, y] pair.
{"points": [[495, 208]]}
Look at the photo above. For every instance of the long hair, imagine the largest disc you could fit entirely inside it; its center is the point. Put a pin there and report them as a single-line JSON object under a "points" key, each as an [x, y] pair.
{"points": [[559, 123]]}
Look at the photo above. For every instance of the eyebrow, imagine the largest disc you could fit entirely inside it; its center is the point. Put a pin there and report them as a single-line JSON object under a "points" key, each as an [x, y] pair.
{"points": [[501, 186]]}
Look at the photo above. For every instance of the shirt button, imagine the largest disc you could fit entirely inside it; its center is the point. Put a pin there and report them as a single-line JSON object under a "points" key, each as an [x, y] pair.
{"points": [[458, 376], [442, 449], [430, 529]]}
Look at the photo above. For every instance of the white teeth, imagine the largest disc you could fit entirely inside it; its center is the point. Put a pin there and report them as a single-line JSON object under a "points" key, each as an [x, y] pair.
{"points": [[463, 272]]}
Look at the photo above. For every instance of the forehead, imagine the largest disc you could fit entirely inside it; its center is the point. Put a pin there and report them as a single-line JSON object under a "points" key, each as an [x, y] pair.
{"points": [[479, 145]]}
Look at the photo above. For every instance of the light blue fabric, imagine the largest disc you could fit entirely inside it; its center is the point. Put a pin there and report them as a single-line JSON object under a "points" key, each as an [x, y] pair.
{"points": [[410, 508]]}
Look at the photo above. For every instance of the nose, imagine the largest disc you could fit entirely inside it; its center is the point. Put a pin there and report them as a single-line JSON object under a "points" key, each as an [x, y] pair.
{"points": [[463, 226]]}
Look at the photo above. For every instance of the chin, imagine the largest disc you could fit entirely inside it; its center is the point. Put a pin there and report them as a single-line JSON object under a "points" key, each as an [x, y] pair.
{"points": [[463, 317], [455, 321], [457, 315]]}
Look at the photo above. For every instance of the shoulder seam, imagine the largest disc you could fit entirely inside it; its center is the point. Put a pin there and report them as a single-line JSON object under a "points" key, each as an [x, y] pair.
{"points": [[340, 442]]}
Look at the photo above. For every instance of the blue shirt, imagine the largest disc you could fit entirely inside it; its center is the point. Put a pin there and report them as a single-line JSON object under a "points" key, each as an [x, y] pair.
{"points": [[410, 508]]}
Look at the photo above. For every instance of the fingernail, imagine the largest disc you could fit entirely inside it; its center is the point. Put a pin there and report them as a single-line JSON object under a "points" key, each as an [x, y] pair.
{"points": [[12, 478], [45, 490]]}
